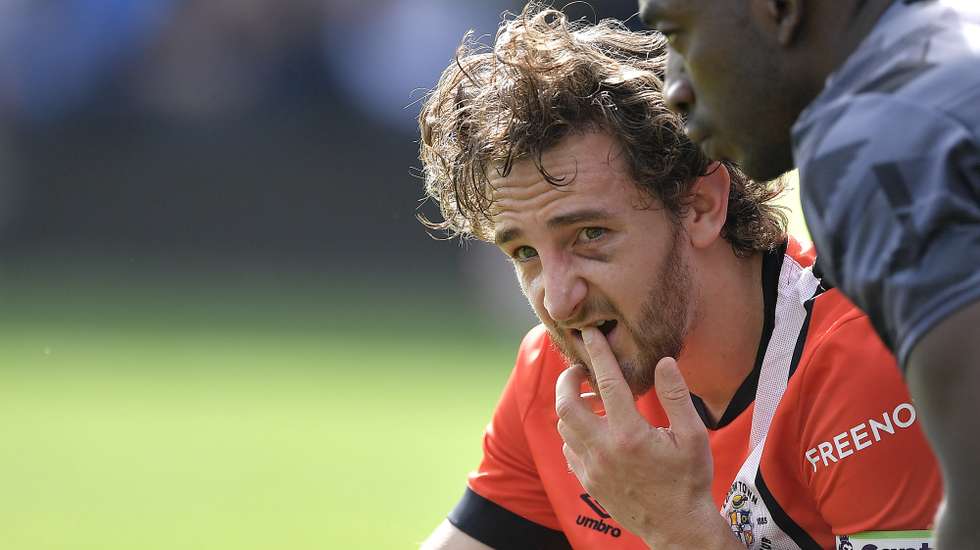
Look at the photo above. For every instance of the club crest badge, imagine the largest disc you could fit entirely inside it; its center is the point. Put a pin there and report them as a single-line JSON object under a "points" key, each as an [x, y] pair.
{"points": [[740, 518]]}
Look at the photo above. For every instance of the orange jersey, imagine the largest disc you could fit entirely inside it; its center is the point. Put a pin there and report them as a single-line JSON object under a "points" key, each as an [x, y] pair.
{"points": [[820, 441]]}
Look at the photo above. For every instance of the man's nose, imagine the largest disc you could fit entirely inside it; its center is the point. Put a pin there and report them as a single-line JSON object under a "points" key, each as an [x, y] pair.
{"points": [[679, 96], [678, 92], [564, 292]]}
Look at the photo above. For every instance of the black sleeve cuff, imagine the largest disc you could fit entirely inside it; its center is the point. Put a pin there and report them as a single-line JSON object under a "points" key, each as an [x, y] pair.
{"points": [[500, 528]]}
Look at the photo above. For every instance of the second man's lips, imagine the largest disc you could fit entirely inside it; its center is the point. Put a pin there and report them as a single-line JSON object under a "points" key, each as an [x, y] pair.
{"points": [[707, 147], [697, 134]]}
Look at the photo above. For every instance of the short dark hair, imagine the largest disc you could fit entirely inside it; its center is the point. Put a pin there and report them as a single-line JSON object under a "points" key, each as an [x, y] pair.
{"points": [[546, 77]]}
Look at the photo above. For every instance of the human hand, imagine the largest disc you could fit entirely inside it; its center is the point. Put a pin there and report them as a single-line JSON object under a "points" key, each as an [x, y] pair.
{"points": [[655, 481]]}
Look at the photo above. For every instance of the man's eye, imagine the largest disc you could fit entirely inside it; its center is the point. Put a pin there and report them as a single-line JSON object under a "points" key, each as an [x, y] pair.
{"points": [[592, 233], [524, 253]]}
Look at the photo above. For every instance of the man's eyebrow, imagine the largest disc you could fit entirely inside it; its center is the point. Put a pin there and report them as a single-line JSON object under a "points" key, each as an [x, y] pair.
{"points": [[578, 216], [504, 236]]}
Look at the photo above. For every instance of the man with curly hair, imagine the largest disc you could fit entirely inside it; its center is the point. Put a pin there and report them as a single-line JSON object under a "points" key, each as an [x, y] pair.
{"points": [[652, 267]]}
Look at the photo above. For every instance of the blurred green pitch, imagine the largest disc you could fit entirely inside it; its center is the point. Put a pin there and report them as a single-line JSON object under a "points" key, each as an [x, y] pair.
{"points": [[185, 418], [146, 423]]}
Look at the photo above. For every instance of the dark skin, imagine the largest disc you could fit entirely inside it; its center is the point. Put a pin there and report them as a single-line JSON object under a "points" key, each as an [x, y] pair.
{"points": [[753, 64], [943, 379], [756, 64]]}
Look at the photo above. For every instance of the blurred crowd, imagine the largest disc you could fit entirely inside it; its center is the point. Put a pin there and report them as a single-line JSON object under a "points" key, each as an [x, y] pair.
{"points": [[212, 132]]}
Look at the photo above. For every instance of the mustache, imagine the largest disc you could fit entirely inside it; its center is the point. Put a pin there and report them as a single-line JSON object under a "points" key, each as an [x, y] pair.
{"points": [[594, 309]]}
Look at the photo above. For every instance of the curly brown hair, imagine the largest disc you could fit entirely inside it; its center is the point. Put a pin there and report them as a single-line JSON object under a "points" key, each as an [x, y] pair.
{"points": [[546, 77]]}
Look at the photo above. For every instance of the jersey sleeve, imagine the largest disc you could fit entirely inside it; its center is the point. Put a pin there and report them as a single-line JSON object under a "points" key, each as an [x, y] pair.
{"points": [[891, 193], [863, 455], [505, 505]]}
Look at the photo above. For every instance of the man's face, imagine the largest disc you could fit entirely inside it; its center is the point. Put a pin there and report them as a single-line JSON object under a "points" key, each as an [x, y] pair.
{"points": [[596, 251], [725, 73]]}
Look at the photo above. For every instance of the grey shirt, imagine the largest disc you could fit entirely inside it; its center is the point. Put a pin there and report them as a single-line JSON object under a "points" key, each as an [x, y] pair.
{"points": [[889, 160]]}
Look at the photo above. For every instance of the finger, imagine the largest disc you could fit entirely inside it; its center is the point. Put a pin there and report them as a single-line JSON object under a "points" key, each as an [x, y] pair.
{"points": [[675, 397], [595, 402], [575, 464], [575, 412], [572, 438], [615, 393]]}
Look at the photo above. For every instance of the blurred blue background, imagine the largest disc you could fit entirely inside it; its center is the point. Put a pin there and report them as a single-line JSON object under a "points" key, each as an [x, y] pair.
{"points": [[221, 325]]}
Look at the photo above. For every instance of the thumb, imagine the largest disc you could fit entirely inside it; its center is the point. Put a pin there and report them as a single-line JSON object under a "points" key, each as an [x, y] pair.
{"points": [[675, 398]]}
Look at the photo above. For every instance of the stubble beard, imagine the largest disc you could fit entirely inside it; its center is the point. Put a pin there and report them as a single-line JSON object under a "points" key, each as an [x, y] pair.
{"points": [[659, 332]]}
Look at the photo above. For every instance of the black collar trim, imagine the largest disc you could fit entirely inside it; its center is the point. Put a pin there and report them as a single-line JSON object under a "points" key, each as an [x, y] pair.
{"points": [[772, 264]]}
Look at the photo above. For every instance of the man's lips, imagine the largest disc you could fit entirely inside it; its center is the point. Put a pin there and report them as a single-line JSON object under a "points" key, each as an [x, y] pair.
{"points": [[708, 148], [700, 136], [697, 134], [605, 327]]}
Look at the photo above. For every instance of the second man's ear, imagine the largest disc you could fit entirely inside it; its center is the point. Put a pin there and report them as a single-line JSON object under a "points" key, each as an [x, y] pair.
{"points": [[786, 15]]}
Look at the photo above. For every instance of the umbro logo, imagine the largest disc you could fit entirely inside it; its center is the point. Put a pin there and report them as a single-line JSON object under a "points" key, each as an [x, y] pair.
{"points": [[596, 507], [597, 524]]}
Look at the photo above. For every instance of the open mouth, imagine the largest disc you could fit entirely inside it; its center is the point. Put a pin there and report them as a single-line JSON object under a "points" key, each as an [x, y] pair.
{"points": [[605, 327]]}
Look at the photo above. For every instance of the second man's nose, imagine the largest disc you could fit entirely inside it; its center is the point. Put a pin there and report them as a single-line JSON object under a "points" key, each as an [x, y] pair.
{"points": [[678, 92], [679, 96]]}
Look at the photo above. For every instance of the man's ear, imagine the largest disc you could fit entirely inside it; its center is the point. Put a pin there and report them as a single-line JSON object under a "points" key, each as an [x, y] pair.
{"points": [[708, 207], [787, 16]]}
